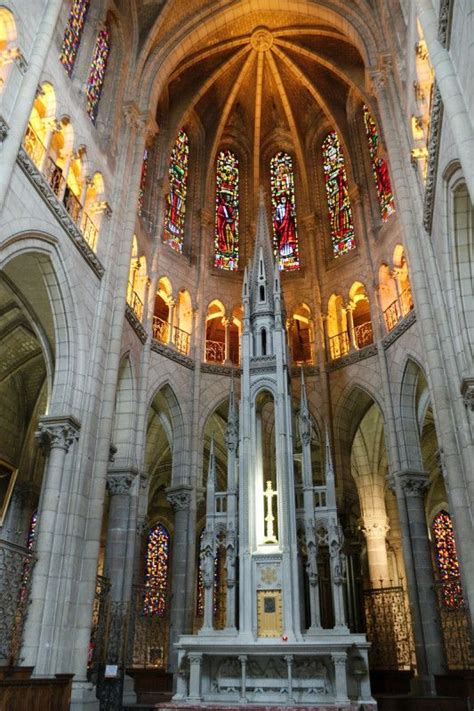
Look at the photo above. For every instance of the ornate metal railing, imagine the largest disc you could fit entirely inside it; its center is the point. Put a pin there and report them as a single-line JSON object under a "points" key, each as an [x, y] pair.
{"points": [[98, 640], [338, 345], [54, 175], [134, 301], [406, 301], [215, 352], [33, 145], [89, 231], [160, 330], [72, 205], [181, 340], [148, 634], [398, 309], [364, 334], [16, 568], [389, 628], [455, 623]]}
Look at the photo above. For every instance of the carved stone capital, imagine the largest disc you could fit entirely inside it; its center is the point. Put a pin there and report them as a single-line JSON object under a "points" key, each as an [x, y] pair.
{"points": [[120, 482], [375, 527], [467, 392], [414, 483], [179, 497], [57, 432]]}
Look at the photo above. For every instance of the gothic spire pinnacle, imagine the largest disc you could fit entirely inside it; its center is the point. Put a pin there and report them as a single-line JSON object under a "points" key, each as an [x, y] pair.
{"points": [[329, 474], [211, 480], [263, 260]]}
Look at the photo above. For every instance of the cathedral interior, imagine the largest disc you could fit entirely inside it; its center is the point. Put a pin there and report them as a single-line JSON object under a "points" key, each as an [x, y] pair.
{"points": [[236, 354]]}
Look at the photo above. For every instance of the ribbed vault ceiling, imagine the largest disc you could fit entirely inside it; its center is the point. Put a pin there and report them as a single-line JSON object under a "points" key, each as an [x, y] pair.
{"points": [[267, 80]]}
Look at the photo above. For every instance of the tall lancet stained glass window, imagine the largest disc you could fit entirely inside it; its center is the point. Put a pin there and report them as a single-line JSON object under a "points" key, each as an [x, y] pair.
{"points": [[156, 570], [95, 81], [285, 231], [447, 559], [226, 236], [339, 203], [73, 34], [176, 200], [141, 193], [379, 167]]}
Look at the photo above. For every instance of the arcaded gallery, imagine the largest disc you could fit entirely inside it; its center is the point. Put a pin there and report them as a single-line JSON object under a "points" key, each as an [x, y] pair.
{"points": [[236, 355]]}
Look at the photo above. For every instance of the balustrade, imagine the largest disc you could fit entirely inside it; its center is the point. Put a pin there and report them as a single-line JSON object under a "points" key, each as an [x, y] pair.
{"points": [[160, 330], [406, 301], [181, 340], [54, 175], [392, 315], [72, 205], [338, 345], [89, 231], [364, 334], [215, 352], [134, 301]]}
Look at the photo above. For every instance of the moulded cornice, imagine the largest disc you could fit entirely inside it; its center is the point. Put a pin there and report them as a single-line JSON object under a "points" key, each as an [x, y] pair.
{"points": [[59, 211], [135, 323]]}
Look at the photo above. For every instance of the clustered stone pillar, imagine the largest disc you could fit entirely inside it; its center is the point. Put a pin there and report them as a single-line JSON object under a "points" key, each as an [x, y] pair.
{"points": [[430, 649], [41, 647], [119, 547], [180, 499]]}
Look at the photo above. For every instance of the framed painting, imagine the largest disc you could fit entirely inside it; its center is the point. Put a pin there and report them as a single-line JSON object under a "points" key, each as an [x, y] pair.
{"points": [[8, 475]]}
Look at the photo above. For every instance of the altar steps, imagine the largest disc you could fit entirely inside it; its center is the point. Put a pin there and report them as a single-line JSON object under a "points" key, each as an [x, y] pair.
{"points": [[384, 703], [418, 703]]}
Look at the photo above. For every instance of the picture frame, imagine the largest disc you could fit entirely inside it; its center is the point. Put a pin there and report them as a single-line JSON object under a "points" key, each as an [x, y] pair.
{"points": [[8, 475]]}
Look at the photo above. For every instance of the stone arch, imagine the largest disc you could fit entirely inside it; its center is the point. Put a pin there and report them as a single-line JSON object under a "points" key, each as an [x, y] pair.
{"points": [[413, 381], [34, 273], [165, 405], [124, 417]]}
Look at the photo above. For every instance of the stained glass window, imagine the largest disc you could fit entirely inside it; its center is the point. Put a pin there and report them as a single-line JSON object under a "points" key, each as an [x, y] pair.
{"points": [[226, 238], [95, 81], [141, 194], [285, 231], [156, 570], [178, 179], [379, 167], [73, 34], [339, 204], [447, 559]]}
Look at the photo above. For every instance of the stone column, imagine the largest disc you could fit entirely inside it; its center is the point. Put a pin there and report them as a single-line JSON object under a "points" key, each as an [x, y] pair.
{"points": [[56, 435], [429, 648], [119, 483], [27, 92], [375, 530], [350, 327], [53, 127], [227, 322], [180, 499]]}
